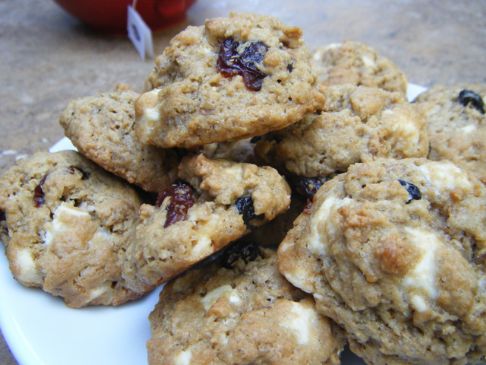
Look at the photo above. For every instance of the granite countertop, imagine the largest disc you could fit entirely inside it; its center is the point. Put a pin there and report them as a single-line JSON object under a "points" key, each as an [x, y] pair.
{"points": [[50, 58]]}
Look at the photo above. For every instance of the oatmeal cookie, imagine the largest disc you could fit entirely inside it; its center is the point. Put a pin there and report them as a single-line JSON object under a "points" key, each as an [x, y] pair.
{"points": [[357, 124], [102, 129], [213, 203], [457, 125], [357, 64], [394, 252], [242, 150], [69, 224], [232, 78], [243, 314]]}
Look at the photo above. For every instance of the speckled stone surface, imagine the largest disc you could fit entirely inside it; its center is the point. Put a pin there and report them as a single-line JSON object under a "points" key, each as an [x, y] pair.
{"points": [[48, 57]]}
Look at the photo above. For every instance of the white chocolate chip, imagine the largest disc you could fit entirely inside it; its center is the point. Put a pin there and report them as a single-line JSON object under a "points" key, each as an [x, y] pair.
{"points": [[368, 62], [152, 114], [28, 271], [300, 322], [468, 129], [444, 176], [422, 277], [203, 247], [322, 218], [183, 358], [210, 298]]}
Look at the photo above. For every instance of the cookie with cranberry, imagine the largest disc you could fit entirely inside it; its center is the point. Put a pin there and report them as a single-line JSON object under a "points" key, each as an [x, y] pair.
{"points": [[457, 125], [213, 203], [246, 313], [357, 124], [357, 64], [231, 78], [69, 223], [394, 252], [102, 129]]}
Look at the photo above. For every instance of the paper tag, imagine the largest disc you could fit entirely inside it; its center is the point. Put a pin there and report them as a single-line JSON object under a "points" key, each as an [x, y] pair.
{"points": [[140, 34]]}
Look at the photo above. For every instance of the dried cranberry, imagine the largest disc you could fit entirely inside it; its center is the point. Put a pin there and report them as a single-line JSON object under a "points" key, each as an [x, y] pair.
{"points": [[39, 192], [181, 196], [245, 207], [413, 191], [84, 174], [307, 186], [467, 97], [231, 62], [241, 250]]}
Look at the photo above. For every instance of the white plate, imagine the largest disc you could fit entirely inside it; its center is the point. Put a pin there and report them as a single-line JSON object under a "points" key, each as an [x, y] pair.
{"points": [[41, 330]]}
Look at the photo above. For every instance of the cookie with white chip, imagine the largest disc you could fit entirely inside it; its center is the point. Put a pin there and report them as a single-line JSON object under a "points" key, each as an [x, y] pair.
{"points": [[69, 224], [394, 252], [213, 203], [102, 129], [246, 313], [242, 150], [357, 64], [232, 78], [456, 122], [357, 124]]}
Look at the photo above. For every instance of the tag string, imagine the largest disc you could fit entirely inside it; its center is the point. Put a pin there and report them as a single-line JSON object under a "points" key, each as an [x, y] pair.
{"points": [[134, 4]]}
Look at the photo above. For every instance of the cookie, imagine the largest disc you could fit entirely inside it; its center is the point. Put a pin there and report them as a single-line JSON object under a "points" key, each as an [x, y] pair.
{"points": [[69, 223], [244, 314], [357, 124], [394, 252], [230, 79], [242, 150], [213, 203], [102, 129], [457, 125], [357, 64]]}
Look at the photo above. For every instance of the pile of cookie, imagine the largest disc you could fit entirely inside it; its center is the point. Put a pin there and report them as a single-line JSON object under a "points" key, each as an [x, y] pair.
{"points": [[244, 142]]}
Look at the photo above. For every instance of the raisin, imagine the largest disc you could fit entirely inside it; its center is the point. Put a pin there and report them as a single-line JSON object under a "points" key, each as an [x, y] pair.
{"points": [[243, 249], [39, 192], [290, 67], [413, 191], [237, 58], [307, 186], [2, 216], [245, 207], [240, 251], [467, 97], [181, 199], [84, 175]]}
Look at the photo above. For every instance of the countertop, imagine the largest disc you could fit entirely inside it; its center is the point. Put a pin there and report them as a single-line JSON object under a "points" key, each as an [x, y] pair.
{"points": [[48, 57]]}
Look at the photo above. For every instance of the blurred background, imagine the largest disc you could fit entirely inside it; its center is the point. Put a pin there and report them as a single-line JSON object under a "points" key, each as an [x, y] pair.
{"points": [[50, 57]]}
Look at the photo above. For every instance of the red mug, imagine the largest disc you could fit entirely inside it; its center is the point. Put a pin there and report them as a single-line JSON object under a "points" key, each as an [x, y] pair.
{"points": [[111, 15]]}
